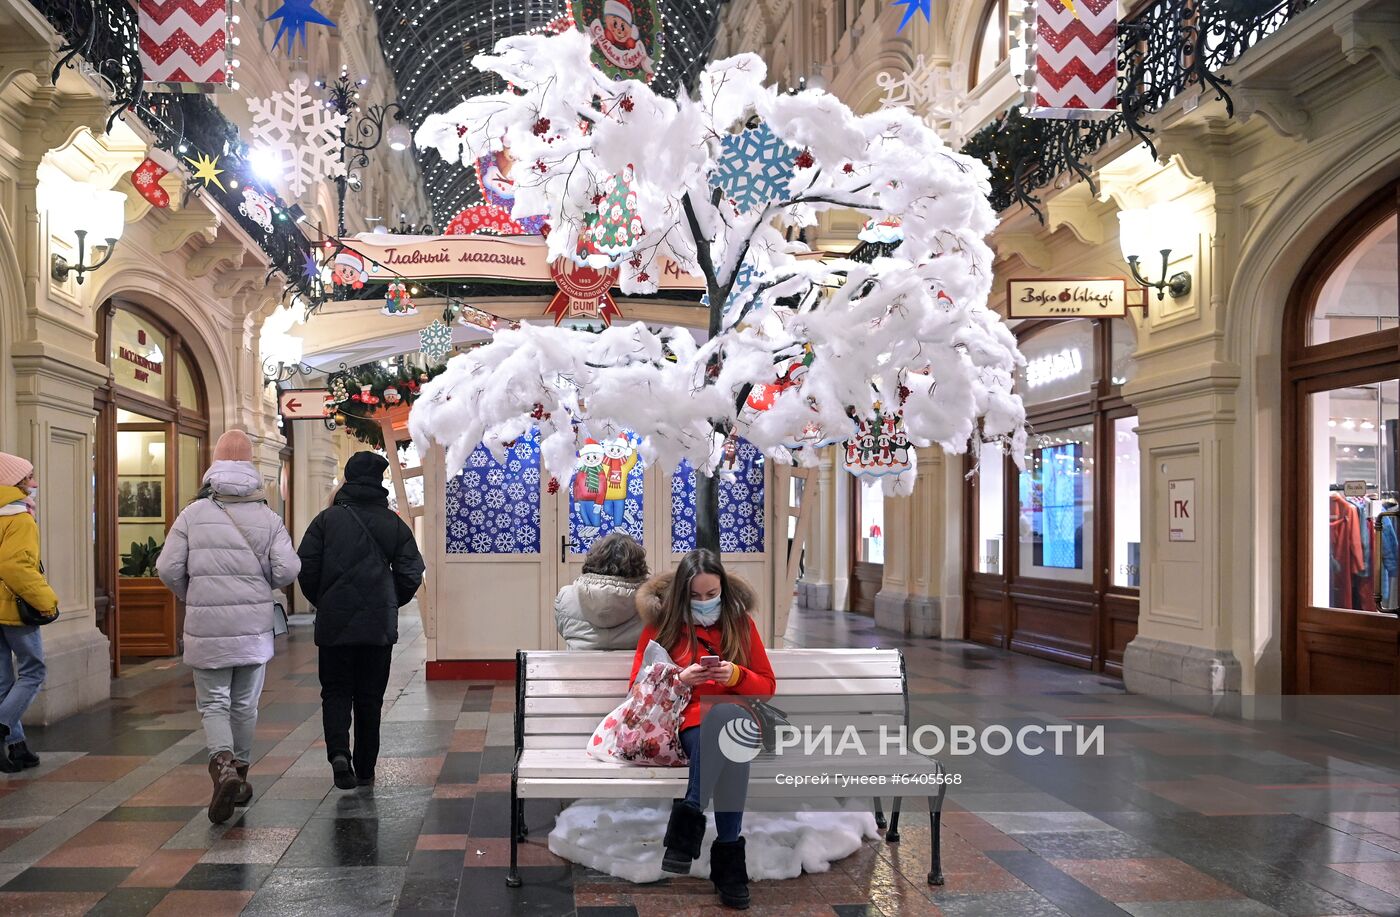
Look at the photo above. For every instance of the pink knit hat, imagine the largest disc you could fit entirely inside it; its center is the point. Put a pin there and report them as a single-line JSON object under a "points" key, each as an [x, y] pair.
{"points": [[14, 469], [233, 446]]}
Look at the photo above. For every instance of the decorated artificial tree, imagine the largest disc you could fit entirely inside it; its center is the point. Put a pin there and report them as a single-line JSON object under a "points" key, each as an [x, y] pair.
{"points": [[720, 183]]}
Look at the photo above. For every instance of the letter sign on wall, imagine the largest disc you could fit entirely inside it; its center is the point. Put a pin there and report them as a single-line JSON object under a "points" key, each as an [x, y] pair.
{"points": [[1181, 510]]}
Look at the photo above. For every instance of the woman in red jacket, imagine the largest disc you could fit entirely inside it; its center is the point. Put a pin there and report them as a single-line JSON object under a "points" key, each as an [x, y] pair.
{"points": [[700, 612]]}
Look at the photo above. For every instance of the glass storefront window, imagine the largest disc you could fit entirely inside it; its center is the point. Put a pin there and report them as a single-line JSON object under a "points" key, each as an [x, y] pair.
{"points": [[190, 477], [141, 496], [1123, 343], [1056, 506], [185, 389], [1127, 504], [139, 355], [1353, 474], [872, 522], [1360, 296], [991, 509], [1059, 363]]}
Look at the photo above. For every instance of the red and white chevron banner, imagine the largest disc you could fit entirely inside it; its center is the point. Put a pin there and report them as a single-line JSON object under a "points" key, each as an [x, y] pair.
{"points": [[185, 42], [1076, 59]]}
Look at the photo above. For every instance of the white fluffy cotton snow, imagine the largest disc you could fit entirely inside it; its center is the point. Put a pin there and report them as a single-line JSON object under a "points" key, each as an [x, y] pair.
{"points": [[911, 330], [623, 838]]}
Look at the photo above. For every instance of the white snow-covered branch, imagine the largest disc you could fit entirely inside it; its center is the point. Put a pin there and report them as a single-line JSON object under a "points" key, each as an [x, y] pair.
{"points": [[912, 329]]}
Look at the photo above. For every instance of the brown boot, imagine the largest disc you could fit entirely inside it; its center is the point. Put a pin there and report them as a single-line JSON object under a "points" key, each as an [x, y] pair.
{"points": [[226, 785], [245, 790]]}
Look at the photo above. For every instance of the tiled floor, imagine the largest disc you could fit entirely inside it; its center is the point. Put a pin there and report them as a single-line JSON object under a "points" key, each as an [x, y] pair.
{"points": [[1183, 816]]}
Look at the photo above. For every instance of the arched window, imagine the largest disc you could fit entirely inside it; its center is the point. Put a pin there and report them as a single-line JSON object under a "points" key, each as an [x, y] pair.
{"points": [[1341, 452], [993, 41]]}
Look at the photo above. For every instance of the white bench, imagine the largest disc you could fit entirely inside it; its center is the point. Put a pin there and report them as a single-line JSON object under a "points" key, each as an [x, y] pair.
{"points": [[561, 696]]}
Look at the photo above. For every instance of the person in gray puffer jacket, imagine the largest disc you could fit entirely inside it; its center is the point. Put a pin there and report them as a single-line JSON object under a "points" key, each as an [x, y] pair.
{"points": [[224, 557], [598, 611]]}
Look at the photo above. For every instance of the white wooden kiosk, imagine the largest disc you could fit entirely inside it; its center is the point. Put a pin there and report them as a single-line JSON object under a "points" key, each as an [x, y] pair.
{"points": [[499, 546]]}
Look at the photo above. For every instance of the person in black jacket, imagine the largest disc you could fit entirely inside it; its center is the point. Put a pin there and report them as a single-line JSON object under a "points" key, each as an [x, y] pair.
{"points": [[359, 566]]}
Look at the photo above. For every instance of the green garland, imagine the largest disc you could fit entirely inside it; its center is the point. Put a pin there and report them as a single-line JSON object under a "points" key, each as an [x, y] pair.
{"points": [[358, 414]]}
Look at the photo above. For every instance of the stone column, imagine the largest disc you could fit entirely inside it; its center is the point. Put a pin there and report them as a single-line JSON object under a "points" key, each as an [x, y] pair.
{"points": [[1186, 432], [910, 599], [819, 567], [56, 429]]}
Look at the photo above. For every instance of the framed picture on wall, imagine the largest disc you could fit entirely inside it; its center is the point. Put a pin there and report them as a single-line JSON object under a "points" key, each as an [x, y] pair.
{"points": [[140, 498]]}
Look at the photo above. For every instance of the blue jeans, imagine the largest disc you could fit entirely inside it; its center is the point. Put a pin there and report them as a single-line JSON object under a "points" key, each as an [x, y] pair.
{"points": [[722, 778], [21, 677]]}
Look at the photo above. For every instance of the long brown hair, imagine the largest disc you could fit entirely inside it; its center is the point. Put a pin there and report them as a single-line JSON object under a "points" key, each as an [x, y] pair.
{"points": [[675, 625]]}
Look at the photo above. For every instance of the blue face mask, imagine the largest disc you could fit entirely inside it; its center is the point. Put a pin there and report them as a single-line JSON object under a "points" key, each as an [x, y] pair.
{"points": [[705, 613]]}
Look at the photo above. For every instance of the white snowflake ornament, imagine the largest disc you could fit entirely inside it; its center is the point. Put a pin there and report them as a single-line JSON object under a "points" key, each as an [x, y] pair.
{"points": [[435, 340], [303, 132]]}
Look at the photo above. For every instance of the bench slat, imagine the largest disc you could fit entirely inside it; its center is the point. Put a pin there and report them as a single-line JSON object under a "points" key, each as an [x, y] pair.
{"points": [[597, 706], [584, 725], [877, 664], [797, 687], [551, 763]]}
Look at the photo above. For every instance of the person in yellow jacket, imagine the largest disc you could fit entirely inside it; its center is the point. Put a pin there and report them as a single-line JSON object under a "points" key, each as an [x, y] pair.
{"points": [[21, 648]]}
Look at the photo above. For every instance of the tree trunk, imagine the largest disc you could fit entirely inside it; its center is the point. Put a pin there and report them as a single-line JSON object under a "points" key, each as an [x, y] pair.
{"points": [[706, 512]]}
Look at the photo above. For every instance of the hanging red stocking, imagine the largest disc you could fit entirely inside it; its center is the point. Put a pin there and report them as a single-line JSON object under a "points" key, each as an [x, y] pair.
{"points": [[147, 178]]}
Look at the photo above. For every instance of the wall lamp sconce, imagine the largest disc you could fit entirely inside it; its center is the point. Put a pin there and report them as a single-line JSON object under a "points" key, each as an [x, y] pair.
{"points": [[1160, 229], [78, 210]]}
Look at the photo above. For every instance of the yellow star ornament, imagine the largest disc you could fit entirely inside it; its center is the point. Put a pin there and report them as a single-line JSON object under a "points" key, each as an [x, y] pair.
{"points": [[205, 170]]}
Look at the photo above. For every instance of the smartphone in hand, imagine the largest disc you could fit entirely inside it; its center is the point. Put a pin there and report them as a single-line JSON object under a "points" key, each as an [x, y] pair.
{"points": [[710, 662]]}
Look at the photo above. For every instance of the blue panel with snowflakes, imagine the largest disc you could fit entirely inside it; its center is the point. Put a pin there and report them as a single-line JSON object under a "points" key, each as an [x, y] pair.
{"points": [[494, 508], [740, 505], [606, 492]]}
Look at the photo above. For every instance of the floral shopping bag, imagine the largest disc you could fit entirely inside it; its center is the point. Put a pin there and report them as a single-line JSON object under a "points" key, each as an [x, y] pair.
{"points": [[645, 728]]}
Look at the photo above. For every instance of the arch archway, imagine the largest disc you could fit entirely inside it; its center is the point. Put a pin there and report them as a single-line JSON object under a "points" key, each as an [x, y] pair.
{"points": [[1340, 356], [153, 435]]}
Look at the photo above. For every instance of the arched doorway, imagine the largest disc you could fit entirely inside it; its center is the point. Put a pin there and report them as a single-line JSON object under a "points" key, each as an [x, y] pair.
{"points": [[152, 436], [1341, 381]]}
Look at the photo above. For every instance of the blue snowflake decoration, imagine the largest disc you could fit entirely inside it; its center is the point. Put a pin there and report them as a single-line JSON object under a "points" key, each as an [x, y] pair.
{"points": [[295, 16], [755, 167], [435, 340], [744, 282], [484, 516], [741, 507], [914, 6]]}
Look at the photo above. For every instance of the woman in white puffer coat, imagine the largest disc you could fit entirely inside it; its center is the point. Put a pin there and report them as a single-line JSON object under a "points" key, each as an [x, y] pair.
{"points": [[598, 611], [224, 557]]}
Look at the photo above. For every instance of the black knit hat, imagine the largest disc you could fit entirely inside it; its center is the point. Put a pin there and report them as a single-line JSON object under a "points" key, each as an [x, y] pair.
{"points": [[366, 468]]}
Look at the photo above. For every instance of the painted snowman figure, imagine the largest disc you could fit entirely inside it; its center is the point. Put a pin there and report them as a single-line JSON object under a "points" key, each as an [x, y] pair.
{"points": [[590, 484], [620, 459]]}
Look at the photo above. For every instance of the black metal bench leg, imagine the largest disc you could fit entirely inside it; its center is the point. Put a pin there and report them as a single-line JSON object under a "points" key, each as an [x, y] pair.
{"points": [[892, 835], [879, 814], [935, 814], [524, 829], [513, 877]]}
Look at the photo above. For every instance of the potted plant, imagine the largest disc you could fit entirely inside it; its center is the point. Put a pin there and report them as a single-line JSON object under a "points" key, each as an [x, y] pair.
{"points": [[148, 623]]}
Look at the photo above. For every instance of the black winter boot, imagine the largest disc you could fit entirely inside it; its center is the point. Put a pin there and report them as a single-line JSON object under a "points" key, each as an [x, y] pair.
{"points": [[730, 874], [21, 755], [684, 834]]}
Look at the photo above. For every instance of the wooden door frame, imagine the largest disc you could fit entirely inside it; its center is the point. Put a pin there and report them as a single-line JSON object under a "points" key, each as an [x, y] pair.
{"points": [[1309, 369], [858, 565], [1097, 409]]}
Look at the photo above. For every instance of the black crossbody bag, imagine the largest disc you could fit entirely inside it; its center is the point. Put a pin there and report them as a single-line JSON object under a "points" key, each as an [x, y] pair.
{"points": [[31, 616], [769, 717]]}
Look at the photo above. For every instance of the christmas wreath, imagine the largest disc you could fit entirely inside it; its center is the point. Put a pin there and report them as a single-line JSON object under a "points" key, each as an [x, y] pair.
{"points": [[361, 393]]}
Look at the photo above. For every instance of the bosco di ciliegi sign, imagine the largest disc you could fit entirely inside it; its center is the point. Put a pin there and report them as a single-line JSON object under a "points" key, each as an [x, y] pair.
{"points": [[1073, 297]]}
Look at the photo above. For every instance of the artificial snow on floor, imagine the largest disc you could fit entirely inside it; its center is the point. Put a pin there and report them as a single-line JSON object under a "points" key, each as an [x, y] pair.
{"points": [[623, 838]]}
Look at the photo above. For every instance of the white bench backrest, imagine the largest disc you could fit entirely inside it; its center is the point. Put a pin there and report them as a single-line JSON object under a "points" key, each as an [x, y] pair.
{"points": [[567, 693]]}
